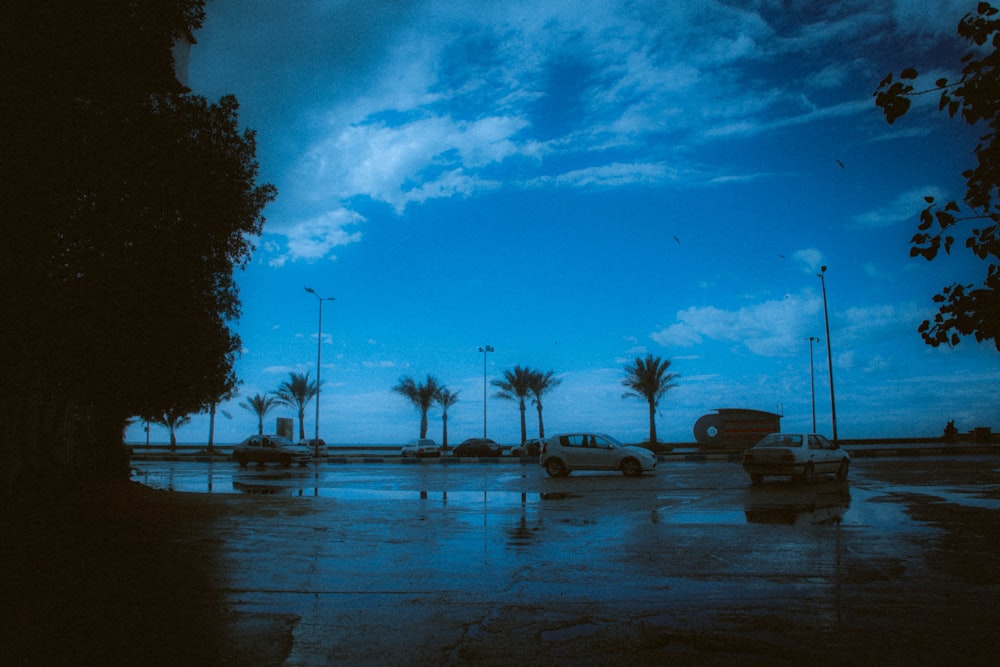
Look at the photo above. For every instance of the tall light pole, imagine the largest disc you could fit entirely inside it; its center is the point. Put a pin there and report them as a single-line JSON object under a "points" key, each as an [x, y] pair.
{"points": [[485, 349], [812, 379], [319, 358], [829, 357]]}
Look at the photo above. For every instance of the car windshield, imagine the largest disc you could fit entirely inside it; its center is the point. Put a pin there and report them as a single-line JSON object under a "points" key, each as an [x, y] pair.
{"points": [[781, 440]]}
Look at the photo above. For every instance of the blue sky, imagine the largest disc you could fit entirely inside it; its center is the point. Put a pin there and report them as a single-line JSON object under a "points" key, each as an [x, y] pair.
{"points": [[577, 184]]}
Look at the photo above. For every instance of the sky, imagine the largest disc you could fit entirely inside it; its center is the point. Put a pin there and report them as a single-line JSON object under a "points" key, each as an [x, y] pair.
{"points": [[578, 184]]}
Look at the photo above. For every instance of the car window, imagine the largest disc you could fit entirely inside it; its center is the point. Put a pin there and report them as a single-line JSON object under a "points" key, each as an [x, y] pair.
{"points": [[605, 442], [824, 443], [781, 440], [814, 443], [572, 440]]}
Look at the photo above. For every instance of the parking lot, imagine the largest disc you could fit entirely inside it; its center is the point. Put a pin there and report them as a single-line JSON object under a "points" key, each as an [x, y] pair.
{"points": [[495, 563]]}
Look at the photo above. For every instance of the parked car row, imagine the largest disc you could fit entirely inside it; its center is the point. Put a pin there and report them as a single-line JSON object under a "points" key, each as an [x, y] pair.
{"points": [[797, 455]]}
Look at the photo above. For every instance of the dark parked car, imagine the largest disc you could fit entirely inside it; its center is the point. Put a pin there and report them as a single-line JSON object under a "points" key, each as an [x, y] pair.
{"points": [[478, 447], [261, 449]]}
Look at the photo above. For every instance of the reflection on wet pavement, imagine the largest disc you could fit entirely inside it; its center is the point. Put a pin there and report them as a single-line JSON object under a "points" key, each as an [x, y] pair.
{"points": [[468, 564]]}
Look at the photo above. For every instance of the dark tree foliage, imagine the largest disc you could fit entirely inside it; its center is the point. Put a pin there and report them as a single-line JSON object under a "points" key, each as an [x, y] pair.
{"points": [[965, 309], [127, 205]]}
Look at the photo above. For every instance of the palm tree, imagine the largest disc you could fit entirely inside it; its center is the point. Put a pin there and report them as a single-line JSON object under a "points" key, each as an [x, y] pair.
{"points": [[173, 419], [515, 386], [421, 395], [649, 380], [539, 385], [445, 398], [260, 405], [296, 392]]}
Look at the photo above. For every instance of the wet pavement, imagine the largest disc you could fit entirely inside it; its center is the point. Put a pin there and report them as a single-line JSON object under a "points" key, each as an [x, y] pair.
{"points": [[495, 563]]}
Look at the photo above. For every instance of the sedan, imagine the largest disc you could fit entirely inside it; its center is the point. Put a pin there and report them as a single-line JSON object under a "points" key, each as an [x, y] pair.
{"points": [[261, 449], [478, 447], [797, 455], [566, 452], [419, 448]]}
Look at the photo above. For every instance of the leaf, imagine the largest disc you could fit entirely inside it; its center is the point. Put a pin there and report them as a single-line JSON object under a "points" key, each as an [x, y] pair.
{"points": [[941, 83], [908, 73], [929, 199]]}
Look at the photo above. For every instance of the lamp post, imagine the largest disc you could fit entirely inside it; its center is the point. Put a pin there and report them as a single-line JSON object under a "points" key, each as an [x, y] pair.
{"points": [[829, 357], [485, 349], [812, 379], [319, 358]]}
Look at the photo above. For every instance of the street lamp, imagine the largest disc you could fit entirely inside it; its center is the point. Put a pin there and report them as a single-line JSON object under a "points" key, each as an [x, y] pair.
{"points": [[484, 350], [319, 357], [829, 357], [812, 379]]}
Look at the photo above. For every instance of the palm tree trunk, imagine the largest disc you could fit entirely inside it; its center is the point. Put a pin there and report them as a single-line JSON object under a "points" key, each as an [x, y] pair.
{"points": [[541, 425], [652, 423], [444, 434], [423, 423], [211, 428], [524, 426], [302, 424]]}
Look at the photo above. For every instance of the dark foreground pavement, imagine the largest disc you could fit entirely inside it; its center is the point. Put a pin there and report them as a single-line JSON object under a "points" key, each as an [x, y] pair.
{"points": [[497, 564]]}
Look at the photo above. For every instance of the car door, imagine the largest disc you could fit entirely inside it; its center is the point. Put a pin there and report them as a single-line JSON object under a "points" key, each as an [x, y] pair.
{"points": [[605, 453], [826, 457], [573, 451]]}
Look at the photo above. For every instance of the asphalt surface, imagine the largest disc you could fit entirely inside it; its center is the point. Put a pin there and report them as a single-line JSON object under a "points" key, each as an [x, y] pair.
{"points": [[495, 563]]}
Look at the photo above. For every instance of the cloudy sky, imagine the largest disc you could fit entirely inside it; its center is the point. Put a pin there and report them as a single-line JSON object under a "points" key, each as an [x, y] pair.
{"points": [[580, 183]]}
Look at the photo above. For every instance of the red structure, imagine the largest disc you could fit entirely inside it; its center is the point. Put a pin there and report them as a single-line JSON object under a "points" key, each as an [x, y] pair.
{"points": [[735, 427]]}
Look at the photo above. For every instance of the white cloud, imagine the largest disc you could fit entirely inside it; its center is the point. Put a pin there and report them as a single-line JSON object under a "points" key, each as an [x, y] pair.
{"points": [[769, 329], [313, 239], [810, 259], [458, 93], [904, 208]]}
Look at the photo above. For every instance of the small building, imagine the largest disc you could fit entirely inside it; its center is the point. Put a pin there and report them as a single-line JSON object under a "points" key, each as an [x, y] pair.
{"points": [[735, 428]]}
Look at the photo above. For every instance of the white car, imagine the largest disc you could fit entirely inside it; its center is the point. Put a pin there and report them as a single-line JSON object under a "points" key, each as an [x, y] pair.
{"points": [[420, 447], [566, 452], [262, 449], [798, 455]]}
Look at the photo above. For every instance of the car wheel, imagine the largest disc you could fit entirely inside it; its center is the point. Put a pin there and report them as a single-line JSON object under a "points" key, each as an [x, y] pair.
{"points": [[842, 470], [286, 461], [556, 468], [808, 473], [242, 462], [631, 468], [756, 478]]}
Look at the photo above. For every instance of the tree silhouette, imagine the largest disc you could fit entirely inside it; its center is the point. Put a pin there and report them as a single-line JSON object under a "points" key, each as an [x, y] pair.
{"points": [[173, 419], [296, 392], [422, 396], [134, 203], [259, 405], [516, 386], [445, 398], [539, 385], [648, 379], [965, 309]]}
